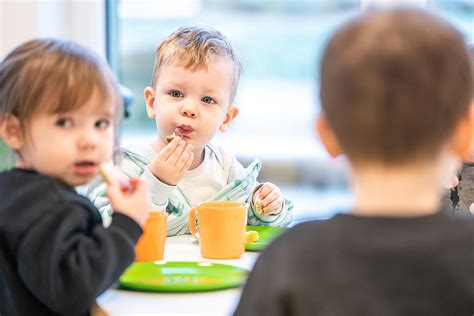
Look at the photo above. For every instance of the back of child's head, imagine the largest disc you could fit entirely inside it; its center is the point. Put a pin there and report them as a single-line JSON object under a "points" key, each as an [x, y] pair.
{"points": [[394, 84], [52, 76], [192, 47]]}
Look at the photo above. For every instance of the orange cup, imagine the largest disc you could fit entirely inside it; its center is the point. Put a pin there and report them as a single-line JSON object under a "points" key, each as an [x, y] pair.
{"points": [[221, 228], [151, 245]]}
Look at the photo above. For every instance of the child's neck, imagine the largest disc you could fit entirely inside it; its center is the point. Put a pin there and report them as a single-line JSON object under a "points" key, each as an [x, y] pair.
{"points": [[198, 158], [412, 190]]}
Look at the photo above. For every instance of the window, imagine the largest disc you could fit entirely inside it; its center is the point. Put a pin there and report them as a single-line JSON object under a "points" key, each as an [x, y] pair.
{"points": [[279, 43]]}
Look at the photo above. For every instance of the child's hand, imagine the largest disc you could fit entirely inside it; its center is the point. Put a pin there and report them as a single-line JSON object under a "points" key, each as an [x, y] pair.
{"points": [[268, 198], [170, 164], [133, 202]]}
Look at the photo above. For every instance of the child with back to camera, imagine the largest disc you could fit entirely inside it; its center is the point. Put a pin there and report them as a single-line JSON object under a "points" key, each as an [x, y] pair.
{"points": [[59, 108], [396, 89], [194, 83]]}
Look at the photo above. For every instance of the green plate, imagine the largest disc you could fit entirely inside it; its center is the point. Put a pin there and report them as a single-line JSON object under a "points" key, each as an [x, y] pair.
{"points": [[266, 235], [163, 276]]}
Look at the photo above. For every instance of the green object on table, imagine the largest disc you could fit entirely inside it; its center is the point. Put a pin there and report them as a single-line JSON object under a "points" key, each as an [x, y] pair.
{"points": [[163, 276], [266, 235]]}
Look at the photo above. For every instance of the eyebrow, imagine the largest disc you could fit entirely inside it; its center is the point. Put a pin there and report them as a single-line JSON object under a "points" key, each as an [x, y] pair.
{"points": [[220, 94], [173, 85], [107, 113]]}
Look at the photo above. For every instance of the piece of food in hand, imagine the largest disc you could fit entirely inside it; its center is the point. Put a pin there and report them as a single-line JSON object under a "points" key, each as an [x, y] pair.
{"points": [[106, 173], [258, 206], [170, 138], [251, 236], [110, 174]]}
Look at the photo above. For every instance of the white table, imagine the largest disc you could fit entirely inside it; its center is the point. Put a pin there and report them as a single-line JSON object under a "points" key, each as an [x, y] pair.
{"points": [[178, 248]]}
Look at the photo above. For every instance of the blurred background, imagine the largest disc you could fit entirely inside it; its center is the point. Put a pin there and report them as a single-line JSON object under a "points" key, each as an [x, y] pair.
{"points": [[280, 43]]}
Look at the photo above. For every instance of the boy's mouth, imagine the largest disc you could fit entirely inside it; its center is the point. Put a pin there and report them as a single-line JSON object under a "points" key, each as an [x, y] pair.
{"points": [[185, 129]]}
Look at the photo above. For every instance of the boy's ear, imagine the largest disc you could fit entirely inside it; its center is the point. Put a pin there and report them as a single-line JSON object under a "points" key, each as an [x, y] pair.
{"points": [[327, 136], [10, 131], [149, 95], [231, 114], [463, 137]]}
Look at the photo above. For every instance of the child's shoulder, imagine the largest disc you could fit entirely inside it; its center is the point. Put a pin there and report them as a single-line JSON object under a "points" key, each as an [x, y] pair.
{"points": [[34, 193], [135, 157], [139, 150], [219, 153], [25, 181]]}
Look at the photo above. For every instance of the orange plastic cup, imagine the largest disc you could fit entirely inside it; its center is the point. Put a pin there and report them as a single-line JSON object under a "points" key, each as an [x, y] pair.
{"points": [[151, 245], [221, 228]]}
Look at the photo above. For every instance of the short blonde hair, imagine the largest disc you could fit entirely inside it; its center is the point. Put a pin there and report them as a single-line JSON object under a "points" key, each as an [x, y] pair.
{"points": [[192, 47]]}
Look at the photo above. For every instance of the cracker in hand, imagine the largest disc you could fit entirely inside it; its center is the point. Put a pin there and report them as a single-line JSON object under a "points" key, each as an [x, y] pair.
{"points": [[170, 138], [258, 206], [110, 174]]}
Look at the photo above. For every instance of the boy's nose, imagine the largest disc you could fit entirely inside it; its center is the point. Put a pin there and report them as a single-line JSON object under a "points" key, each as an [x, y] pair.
{"points": [[188, 110]]}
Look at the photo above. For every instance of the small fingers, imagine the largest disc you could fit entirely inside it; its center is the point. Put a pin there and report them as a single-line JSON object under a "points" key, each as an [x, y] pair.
{"points": [[187, 163], [270, 198], [269, 192], [114, 193], [177, 152], [267, 189], [274, 207], [169, 149], [256, 196], [188, 150], [138, 184]]}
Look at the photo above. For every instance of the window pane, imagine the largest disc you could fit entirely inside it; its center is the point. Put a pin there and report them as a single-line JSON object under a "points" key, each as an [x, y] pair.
{"points": [[279, 43]]}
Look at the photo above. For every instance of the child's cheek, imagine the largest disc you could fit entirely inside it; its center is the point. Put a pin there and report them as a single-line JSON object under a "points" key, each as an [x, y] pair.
{"points": [[110, 143]]}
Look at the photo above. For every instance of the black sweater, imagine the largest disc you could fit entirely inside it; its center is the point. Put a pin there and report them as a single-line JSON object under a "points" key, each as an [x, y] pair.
{"points": [[351, 265], [55, 255]]}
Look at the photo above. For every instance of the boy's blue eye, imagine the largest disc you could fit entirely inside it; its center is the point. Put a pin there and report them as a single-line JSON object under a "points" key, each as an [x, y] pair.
{"points": [[176, 94], [64, 122], [102, 124], [208, 100]]}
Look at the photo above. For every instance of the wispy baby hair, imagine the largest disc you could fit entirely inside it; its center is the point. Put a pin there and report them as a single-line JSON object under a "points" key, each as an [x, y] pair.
{"points": [[192, 47]]}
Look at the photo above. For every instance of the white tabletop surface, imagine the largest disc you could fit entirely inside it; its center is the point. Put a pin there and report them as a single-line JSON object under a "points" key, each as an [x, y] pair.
{"points": [[179, 248]]}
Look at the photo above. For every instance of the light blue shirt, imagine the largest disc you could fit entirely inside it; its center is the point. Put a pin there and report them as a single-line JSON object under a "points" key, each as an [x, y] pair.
{"points": [[220, 177]]}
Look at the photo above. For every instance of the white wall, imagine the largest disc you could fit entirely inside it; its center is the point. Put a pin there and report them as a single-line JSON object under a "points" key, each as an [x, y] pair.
{"points": [[82, 21]]}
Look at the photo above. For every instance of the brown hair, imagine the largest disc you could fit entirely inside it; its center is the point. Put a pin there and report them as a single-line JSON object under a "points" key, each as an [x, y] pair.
{"points": [[394, 83], [52, 76], [192, 47]]}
